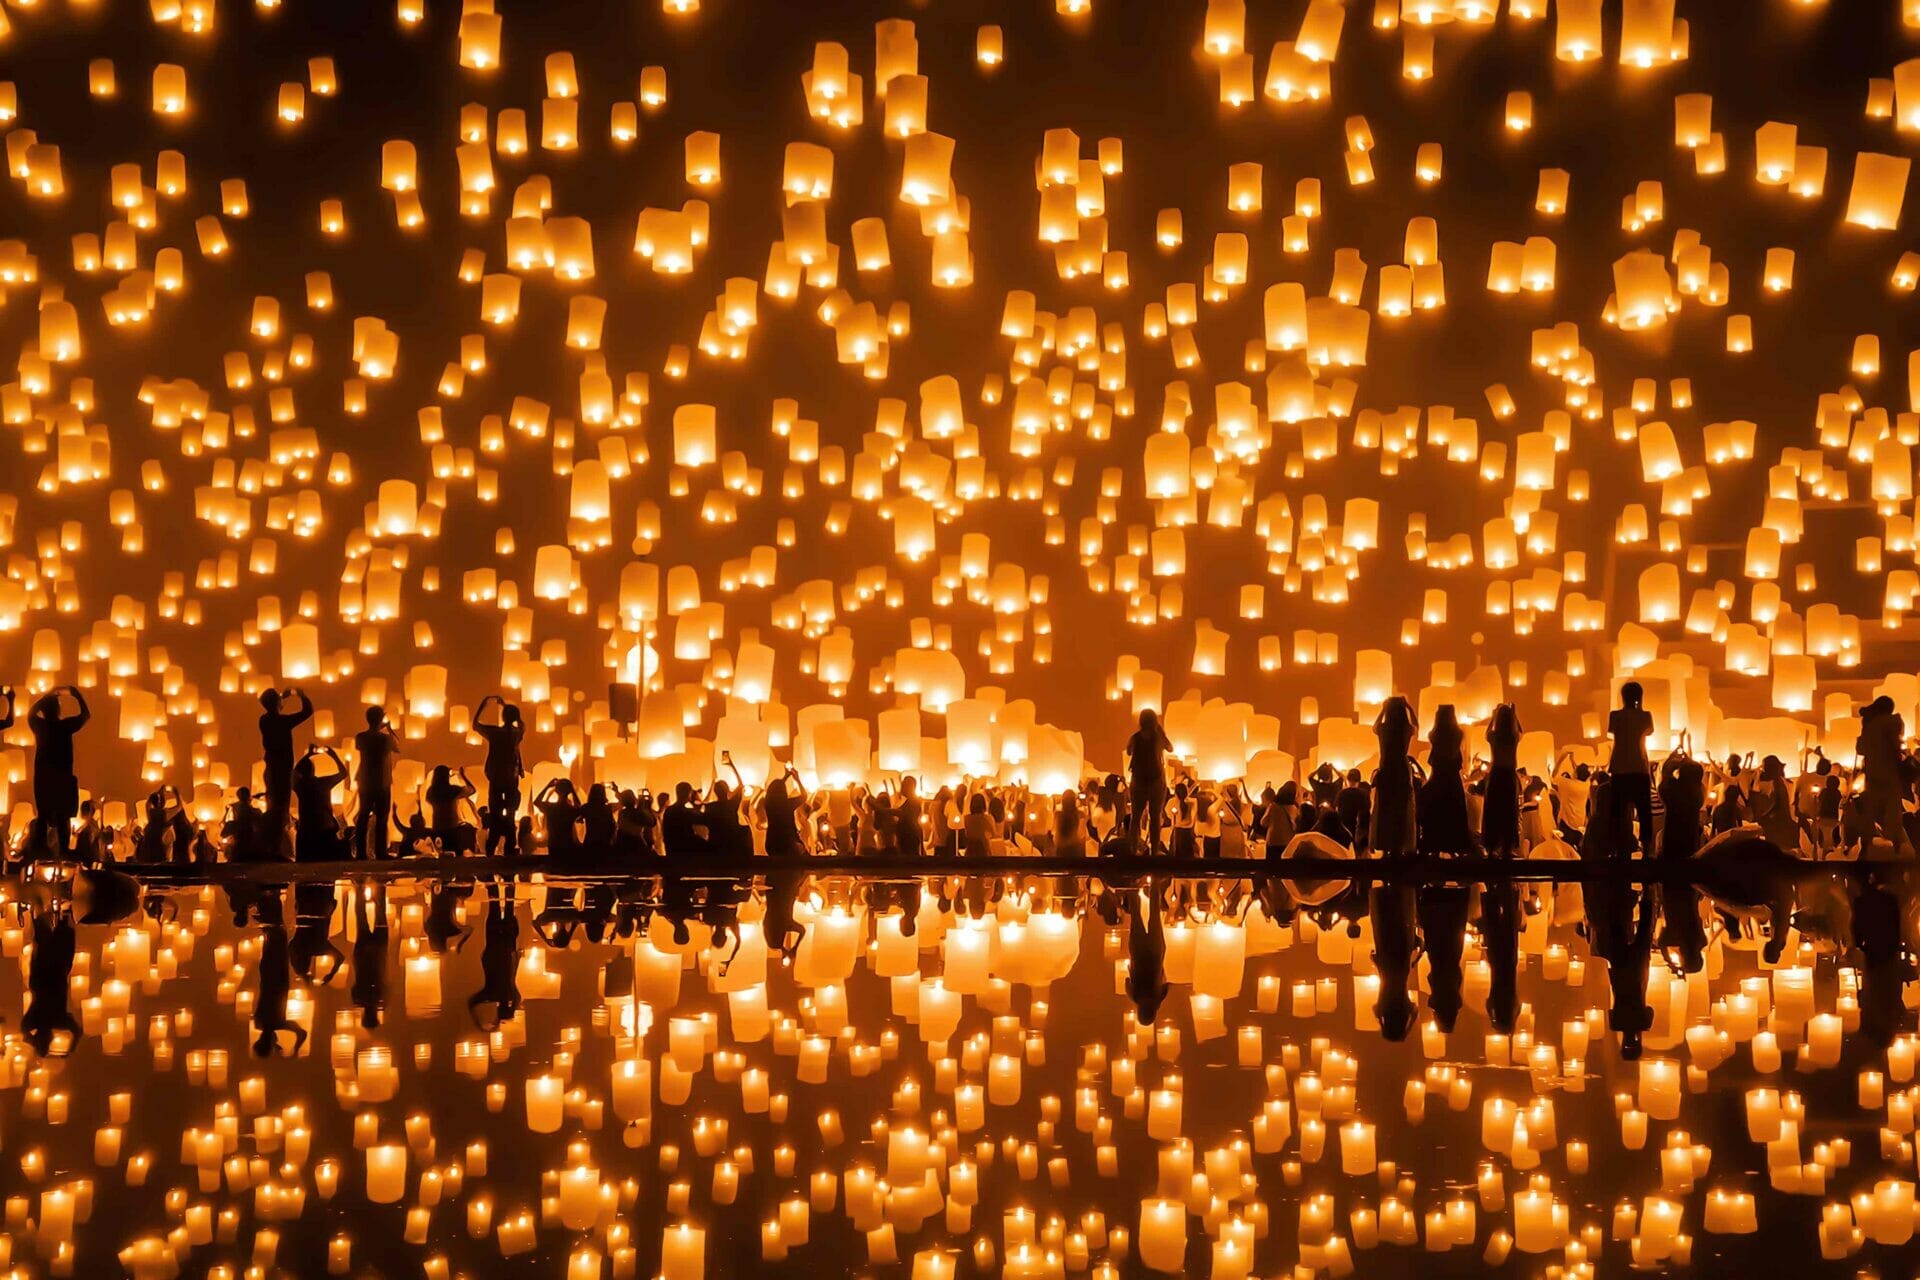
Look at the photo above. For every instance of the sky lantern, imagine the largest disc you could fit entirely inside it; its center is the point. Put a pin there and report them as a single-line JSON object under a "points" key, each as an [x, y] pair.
{"points": [[1879, 189]]}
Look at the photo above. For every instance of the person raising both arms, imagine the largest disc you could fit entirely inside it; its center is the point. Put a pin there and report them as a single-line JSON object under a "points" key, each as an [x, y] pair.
{"points": [[56, 788]]}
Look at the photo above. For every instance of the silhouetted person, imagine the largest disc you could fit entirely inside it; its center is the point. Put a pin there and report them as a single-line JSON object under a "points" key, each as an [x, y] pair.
{"points": [[1883, 783], [1445, 827], [1500, 812], [49, 979], [1683, 936], [909, 838], [636, 831], [503, 770], [6, 710], [316, 831], [1773, 801], [499, 962], [1442, 912], [1745, 869], [782, 932], [1885, 966], [1354, 808], [781, 800], [277, 724], [727, 835], [1620, 926], [370, 954], [1147, 983], [1683, 791], [246, 836], [597, 821], [376, 751], [443, 927], [1500, 934], [1390, 906], [314, 956], [1394, 829], [276, 984], [1147, 779], [1630, 725], [444, 823], [1325, 784], [680, 824], [56, 788], [167, 833], [559, 804]]}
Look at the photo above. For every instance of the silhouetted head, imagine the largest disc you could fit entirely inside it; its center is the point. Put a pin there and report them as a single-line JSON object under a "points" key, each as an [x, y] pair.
{"points": [[442, 775], [376, 716], [1149, 718], [1630, 694], [270, 699], [683, 791], [720, 791], [1583, 772], [510, 714]]}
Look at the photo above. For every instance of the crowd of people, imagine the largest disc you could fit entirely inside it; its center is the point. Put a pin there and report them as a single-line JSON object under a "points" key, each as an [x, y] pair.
{"points": [[316, 806], [1744, 820]]}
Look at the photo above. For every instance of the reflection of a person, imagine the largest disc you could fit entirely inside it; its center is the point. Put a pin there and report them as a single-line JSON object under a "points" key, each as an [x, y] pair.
{"points": [[49, 978], [1442, 910], [444, 928], [1885, 965], [782, 932], [370, 954], [1390, 907], [1500, 935], [1146, 956], [312, 941], [499, 961], [1683, 935], [1620, 927], [276, 985]]}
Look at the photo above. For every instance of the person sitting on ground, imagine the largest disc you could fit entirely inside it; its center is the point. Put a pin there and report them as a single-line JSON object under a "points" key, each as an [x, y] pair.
{"points": [[317, 835], [444, 821]]}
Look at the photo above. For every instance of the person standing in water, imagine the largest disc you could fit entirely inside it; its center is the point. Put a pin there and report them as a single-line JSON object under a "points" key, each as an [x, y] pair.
{"points": [[503, 771], [1884, 787], [1631, 771], [56, 788], [376, 750], [1147, 779], [277, 724]]}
